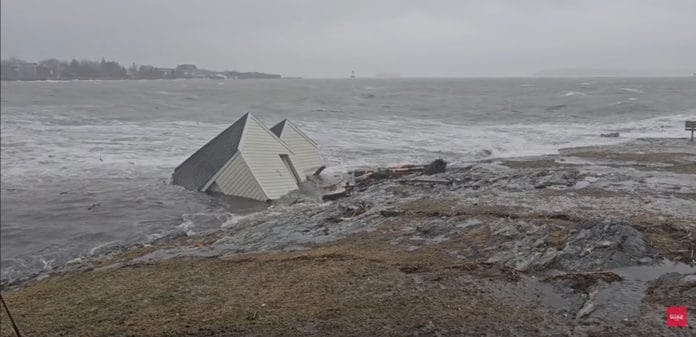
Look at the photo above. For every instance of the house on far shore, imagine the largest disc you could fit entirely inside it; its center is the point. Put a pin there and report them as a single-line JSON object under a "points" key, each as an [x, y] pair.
{"points": [[246, 160], [17, 70]]}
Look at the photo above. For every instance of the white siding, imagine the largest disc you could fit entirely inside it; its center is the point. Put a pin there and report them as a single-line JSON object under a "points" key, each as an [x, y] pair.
{"points": [[235, 178], [307, 159], [261, 151]]}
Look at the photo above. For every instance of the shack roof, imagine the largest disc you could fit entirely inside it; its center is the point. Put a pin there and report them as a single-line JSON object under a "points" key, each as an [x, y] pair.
{"points": [[197, 170]]}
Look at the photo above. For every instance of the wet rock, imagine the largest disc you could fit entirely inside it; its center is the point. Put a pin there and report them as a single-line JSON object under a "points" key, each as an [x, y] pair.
{"points": [[434, 228], [586, 309], [535, 247], [562, 178], [646, 260], [587, 249], [605, 244], [437, 166], [390, 212], [355, 210], [347, 211], [672, 289], [688, 281], [584, 282]]}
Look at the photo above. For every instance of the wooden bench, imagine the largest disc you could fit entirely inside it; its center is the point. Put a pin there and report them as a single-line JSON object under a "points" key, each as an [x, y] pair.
{"points": [[690, 126]]}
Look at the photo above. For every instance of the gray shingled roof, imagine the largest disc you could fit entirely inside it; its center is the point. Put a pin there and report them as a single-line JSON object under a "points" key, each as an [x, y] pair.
{"points": [[278, 128], [197, 170]]}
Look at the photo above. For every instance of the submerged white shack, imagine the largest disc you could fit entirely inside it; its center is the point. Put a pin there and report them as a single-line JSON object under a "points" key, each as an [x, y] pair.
{"points": [[246, 160]]}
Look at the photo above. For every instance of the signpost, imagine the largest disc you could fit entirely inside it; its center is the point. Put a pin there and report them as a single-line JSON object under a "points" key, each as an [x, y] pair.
{"points": [[690, 126]]}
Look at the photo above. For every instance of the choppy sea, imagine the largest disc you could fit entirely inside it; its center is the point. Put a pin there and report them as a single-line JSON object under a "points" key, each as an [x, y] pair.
{"points": [[85, 165]]}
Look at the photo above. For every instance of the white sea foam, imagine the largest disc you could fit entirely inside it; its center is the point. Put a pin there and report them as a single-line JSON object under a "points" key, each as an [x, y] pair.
{"points": [[187, 226], [47, 263], [372, 143], [97, 248], [638, 91], [574, 93]]}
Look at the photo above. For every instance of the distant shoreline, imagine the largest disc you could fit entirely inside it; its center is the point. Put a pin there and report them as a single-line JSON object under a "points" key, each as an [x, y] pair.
{"points": [[53, 69], [360, 78], [146, 79]]}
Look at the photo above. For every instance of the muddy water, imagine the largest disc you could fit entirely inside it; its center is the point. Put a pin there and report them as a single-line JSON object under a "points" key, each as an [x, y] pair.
{"points": [[621, 300]]}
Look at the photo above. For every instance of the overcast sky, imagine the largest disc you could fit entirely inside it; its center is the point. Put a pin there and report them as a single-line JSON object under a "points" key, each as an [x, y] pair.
{"points": [[330, 38]]}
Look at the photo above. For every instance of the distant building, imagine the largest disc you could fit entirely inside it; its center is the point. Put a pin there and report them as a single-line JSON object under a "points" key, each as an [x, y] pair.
{"points": [[186, 67], [248, 160], [18, 71], [165, 72], [188, 71]]}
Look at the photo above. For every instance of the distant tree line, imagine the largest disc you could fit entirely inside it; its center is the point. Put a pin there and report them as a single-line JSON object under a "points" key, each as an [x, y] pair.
{"points": [[14, 69], [53, 69]]}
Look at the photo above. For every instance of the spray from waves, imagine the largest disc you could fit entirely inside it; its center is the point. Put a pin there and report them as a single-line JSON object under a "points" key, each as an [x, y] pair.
{"points": [[671, 126], [112, 146], [41, 264], [408, 140], [234, 219]]}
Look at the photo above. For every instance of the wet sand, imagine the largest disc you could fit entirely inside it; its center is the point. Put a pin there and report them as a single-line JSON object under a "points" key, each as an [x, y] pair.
{"points": [[595, 241]]}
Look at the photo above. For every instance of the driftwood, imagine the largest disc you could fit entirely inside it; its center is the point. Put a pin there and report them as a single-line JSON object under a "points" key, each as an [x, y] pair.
{"points": [[364, 177], [426, 181], [338, 194], [318, 171], [436, 166]]}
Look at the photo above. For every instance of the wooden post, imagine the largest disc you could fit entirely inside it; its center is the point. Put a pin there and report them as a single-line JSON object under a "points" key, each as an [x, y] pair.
{"points": [[690, 126], [14, 326]]}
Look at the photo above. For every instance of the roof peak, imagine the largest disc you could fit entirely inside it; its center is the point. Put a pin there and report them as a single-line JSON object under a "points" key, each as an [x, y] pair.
{"points": [[278, 128], [195, 171]]}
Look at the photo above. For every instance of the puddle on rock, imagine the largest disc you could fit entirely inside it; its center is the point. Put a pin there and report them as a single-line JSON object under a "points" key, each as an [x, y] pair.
{"points": [[621, 300], [647, 273]]}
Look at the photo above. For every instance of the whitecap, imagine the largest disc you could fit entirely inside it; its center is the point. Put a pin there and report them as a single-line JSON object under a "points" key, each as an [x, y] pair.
{"points": [[47, 263], [96, 248], [638, 91]]}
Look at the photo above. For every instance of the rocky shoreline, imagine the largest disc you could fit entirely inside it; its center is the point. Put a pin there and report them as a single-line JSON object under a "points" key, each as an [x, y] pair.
{"points": [[595, 241]]}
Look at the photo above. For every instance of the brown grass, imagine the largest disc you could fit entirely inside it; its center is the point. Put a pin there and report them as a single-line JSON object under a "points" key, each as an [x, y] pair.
{"points": [[357, 287]]}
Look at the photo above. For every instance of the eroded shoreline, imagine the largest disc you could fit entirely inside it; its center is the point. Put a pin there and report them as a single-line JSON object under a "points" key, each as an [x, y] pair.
{"points": [[594, 241]]}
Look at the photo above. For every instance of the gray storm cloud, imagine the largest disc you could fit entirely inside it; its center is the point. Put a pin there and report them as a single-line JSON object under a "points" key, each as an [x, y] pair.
{"points": [[329, 39]]}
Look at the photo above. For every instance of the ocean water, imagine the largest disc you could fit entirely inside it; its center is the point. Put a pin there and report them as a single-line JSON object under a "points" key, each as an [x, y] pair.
{"points": [[85, 165]]}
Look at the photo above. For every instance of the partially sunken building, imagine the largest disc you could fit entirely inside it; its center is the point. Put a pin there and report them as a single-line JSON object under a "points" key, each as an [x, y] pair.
{"points": [[249, 160]]}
